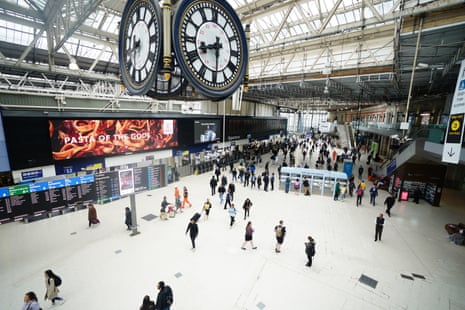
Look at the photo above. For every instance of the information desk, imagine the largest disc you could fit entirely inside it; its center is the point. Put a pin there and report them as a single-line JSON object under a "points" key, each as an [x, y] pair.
{"points": [[324, 181]]}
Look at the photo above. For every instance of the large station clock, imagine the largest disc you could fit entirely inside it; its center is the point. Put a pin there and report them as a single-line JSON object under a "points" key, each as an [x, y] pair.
{"points": [[139, 45], [210, 46]]}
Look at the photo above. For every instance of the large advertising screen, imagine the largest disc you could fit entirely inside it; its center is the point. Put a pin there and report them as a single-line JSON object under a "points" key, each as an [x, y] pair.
{"points": [[206, 130], [86, 138]]}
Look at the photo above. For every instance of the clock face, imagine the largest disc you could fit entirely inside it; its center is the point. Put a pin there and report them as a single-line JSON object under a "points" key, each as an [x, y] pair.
{"points": [[210, 46], [139, 45]]}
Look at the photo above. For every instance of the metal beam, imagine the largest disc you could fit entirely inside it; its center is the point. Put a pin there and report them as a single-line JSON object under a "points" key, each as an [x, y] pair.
{"points": [[330, 15], [374, 10], [283, 22], [86, 11]]}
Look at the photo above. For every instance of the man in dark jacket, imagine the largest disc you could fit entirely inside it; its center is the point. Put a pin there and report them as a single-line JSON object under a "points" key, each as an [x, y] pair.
{"points": [[389, 202], [213, 183], [193, 230], [165, 297]]}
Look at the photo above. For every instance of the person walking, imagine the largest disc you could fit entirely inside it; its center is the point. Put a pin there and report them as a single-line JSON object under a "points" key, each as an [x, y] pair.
{"points": [[221, 191], [128, 218], [213, 183], [272, 181], [266, 181], [228, 199], [287, 185], [337, 191], [389, 203], [246, 206], [373, 195], [379, 227], [165, 297], [359, 196], [280, 232], [248, 236], [310, 250], [232, 190], [163, 209], [147, 304], [31, 302], [52, 281], [232, 214], [360, 171], [186, 198], [177, 199], [306, 185], [259, 182], [193, 230], [206, 207], [92, 215]]}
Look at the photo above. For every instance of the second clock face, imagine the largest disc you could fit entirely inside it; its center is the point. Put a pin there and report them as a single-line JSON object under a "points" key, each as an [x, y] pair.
{"points": [[210, 45]]}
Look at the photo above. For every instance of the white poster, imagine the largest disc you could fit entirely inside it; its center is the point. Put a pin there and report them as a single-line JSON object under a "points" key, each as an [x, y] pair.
{"points": [[454, 134]]}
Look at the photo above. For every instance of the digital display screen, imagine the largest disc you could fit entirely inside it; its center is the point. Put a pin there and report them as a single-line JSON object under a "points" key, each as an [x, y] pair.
{"points": [[156, 176], [86, 138], [107, 186], [40, 197], [126, 182], [57, 194], [20, 201], [206, 130], [141, 179]]}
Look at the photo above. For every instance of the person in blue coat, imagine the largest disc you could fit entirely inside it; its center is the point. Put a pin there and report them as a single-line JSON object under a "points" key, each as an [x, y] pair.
{"points": [[287, 185]]}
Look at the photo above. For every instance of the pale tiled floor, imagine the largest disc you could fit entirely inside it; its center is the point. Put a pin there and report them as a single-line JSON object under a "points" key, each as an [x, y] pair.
{"points": [[219, 275]]}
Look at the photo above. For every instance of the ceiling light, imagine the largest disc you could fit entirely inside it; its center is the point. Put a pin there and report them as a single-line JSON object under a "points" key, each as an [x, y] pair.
{"points": [[73, 64]]}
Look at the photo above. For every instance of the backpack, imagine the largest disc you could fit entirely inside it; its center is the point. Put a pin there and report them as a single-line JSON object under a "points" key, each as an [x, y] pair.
{"points": [[56, 280], [279, 231], [360, 192], [169, 296], [310, 248]]}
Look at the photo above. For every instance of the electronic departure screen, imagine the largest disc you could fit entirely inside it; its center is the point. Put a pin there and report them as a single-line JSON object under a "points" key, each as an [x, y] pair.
{"points": [[141, 179], [40, 197], [57, 191], [156, 177], [107, 186], [19, 201], [5, 213]]}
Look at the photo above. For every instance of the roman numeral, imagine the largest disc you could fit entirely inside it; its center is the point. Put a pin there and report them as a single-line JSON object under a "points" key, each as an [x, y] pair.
{"points": [[204, 17], [190, 39], [192, 56], [202, 71]]}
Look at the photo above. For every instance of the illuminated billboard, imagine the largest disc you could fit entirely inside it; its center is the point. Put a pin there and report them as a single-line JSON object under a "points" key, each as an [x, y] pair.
{"points": [[86, 138]]}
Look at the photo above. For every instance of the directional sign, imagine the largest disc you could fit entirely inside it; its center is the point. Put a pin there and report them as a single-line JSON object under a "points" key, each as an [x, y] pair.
{"points": [[454, 136]]}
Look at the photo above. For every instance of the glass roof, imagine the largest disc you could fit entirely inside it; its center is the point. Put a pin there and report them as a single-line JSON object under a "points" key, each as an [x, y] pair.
{"points": [[290, 24]]}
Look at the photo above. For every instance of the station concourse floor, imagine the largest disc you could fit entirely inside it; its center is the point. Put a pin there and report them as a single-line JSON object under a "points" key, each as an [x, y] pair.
{"points": [[105, 268]]}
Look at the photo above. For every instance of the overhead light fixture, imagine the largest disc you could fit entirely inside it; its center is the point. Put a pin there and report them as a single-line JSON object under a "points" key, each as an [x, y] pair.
{"points": [[73, 64]]}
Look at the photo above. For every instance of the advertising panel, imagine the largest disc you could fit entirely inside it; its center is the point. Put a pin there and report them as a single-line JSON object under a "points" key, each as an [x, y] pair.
{"points": [[206, 130], [86, 138], [126, 182]]}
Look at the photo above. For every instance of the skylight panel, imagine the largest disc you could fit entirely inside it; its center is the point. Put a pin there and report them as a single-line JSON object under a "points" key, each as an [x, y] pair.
{"points": [[313, 8]]}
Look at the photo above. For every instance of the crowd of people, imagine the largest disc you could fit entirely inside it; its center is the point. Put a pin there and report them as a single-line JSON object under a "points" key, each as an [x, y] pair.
{"points": [[249, 174]]}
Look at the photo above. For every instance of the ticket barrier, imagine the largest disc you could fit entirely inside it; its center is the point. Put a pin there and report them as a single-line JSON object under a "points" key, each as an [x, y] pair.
{"points": [[321, 181]]}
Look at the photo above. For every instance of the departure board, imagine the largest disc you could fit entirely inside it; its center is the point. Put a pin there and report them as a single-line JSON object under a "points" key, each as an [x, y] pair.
{"points": [[87, 192], [156, 176], [107, 186], [40, 197], [20, 201], [57, 191], [141, 179], [5, 213]]}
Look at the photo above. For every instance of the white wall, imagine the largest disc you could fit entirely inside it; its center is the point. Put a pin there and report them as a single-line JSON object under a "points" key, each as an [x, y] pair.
{"points": [[134, 158]]}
